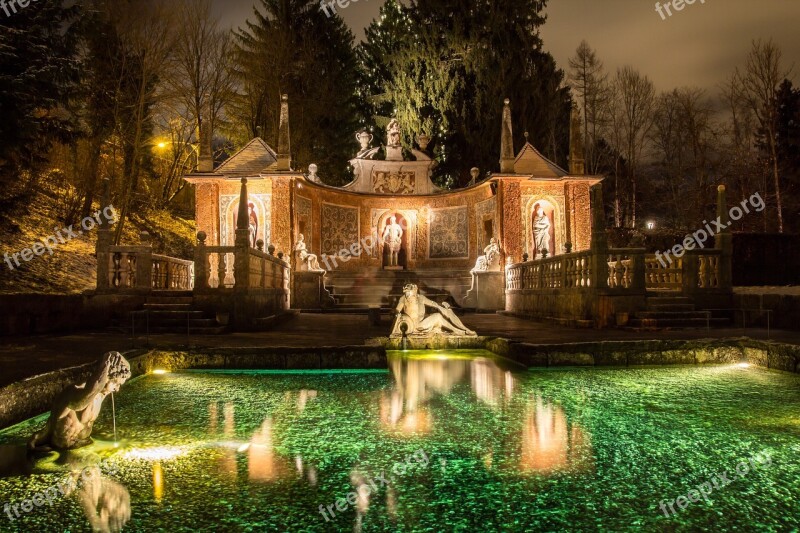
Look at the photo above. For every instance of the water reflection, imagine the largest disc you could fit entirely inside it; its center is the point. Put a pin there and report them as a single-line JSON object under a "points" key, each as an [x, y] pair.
{"points": [[550, 442], [418, 379], [106, 503]]}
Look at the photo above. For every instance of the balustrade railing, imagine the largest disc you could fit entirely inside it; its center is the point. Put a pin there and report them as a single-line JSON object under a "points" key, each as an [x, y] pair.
{"points": [[170, 273], [217, 268], [562, 271], [628, 269]]}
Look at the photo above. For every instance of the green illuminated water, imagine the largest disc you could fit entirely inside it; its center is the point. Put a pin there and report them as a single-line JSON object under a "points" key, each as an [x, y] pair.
{"points": [[466, 443]]}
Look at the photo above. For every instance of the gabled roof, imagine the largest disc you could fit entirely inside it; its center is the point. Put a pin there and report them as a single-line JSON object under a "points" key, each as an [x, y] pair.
{"points": [[531, 162], [254, 158]]}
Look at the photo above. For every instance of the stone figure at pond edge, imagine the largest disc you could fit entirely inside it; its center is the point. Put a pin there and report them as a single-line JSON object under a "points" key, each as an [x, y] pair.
{"points": [[78, 406], [307, 261], [393, 240], [412, 312], [490, 260], [541, 232]]}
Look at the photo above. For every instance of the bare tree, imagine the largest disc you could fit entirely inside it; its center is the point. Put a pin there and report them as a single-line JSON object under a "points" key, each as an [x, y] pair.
{"points": [[146, 32], [634, 118], [684, 137], [589, 81], [200, 83], [758, 87]]}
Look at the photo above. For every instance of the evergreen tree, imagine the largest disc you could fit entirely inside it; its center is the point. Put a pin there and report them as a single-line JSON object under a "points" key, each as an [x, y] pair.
{"points": [[38, 75], [448, 66], [293, 48]]}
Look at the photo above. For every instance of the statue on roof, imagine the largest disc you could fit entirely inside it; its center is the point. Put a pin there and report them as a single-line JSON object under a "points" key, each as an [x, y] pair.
{"points": [[394, 148]]}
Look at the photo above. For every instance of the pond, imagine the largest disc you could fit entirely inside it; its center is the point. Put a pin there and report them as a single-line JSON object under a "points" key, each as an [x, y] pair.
{"points": [[442, 441]]}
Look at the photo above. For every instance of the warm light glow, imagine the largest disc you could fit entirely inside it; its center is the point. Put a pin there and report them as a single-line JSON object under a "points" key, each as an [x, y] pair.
{"points": [[162, 145], [743, 365], [651, 225], [160, 371], [158, 481], [162, 453]]}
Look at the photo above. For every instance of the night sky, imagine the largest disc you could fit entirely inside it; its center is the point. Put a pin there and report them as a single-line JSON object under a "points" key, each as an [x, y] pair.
{"points": [[698, 46]]}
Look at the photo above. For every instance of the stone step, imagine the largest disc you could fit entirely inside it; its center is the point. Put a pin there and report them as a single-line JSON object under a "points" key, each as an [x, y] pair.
{"points": [[170, 294], [659, 308], [659, 300], [170, 300], [178, 324], [168, 307], [161, 330], [672, 314], [678, 323], [175, 314]]}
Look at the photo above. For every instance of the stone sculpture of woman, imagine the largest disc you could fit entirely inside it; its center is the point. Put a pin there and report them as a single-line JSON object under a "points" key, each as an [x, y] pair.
{"points": [[307, 261], [76, 408], [541, 232]]}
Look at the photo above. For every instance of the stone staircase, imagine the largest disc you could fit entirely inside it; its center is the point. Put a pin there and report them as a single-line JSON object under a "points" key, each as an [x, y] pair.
{"points": [[173, 312], [670, 310], [356, 292]]}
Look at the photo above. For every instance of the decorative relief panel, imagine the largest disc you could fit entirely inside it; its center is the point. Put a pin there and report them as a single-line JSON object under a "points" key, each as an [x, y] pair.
{"points": [[339, 228], [303, 210], [384, 182], [449, 233]]}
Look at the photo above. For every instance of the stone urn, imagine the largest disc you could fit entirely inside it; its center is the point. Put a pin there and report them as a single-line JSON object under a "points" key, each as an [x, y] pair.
{"points": [[423, 141]]}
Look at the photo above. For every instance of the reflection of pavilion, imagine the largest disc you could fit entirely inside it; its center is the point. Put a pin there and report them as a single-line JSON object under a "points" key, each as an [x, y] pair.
{"points": [[550, 442], [418, 380]]}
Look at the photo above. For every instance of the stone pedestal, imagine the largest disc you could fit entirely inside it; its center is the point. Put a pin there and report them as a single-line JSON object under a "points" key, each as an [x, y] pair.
{"points": [[309, 291], [487, 292]]}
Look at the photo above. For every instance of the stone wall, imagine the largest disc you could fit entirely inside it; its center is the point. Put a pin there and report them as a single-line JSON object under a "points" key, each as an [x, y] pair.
{"points": [[36, 314], [752, 305]]}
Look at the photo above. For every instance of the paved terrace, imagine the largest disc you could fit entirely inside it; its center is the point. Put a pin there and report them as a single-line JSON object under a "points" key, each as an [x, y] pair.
{"points": [[29, 356]]}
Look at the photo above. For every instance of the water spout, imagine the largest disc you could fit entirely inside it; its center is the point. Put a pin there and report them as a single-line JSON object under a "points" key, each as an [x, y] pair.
{"points": [[114, 417]]}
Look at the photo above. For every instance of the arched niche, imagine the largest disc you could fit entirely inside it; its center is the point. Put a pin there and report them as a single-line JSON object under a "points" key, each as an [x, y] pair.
{"points": [[554, 209]]}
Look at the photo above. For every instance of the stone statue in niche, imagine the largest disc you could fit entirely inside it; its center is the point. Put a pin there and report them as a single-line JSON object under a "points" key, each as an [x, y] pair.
{"points": [[306, 261], [393, 241], [76, 408], [252, 223], [394, 148], [541, 233], [490, 260], [413, 319]]}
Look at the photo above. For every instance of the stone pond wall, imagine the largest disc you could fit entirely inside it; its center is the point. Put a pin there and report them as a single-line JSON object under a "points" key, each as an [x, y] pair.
{"points": [[31, 397]]}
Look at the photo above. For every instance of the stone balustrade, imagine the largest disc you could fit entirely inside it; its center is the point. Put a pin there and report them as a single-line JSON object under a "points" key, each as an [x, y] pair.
{"points": [[592, 286]]}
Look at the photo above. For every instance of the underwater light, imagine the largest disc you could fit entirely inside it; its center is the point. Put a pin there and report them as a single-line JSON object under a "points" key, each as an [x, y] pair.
{"points": [[160, 371]]}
